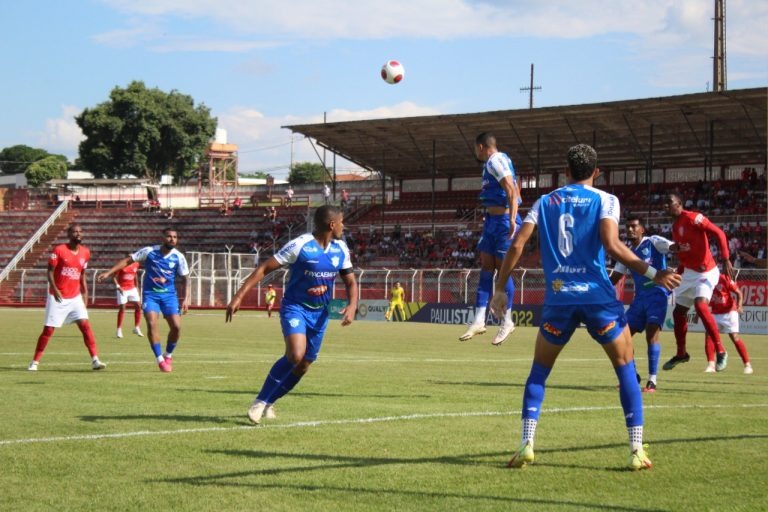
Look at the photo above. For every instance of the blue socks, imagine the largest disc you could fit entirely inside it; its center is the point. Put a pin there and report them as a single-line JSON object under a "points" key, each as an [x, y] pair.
{"points": [[286, 385], [534, 391], [654, 354], [510, 289], [278, 378], [156, 349], [630, 394], [169, 346], [484, 288]]}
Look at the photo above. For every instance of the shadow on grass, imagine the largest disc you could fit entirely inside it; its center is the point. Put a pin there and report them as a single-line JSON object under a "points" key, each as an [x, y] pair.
{"points": [[335, 462], [190, 418], [302, 394], [706, 387]]}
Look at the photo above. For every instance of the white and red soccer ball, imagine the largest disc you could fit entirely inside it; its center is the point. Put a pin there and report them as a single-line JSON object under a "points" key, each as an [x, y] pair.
{"points": [[392, 72]]}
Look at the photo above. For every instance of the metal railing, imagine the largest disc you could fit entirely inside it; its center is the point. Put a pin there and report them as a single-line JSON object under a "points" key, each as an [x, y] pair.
{"points": [[42, 230], [212, 286]]}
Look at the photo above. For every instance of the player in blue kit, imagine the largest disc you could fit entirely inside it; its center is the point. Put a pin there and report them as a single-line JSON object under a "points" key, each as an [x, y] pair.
{"points": [[162, 265], [314, 260], [500, 197], [649, 307], [577, 224]]}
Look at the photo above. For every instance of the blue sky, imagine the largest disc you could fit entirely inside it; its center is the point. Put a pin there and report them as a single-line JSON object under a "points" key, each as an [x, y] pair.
{"points": [[259, 65]]}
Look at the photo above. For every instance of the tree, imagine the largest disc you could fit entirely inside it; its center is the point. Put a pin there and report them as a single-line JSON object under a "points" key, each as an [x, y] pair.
{"points": [[146, 133], [306, 172], [257, 174], [49, 168], [16, 159]]}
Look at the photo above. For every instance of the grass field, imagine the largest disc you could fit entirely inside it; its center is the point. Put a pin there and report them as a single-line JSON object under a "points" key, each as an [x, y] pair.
{"points": [[391, 417]]}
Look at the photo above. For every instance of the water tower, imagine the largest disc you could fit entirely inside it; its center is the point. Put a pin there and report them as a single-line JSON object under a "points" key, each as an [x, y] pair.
{"points": [[217, 174]]}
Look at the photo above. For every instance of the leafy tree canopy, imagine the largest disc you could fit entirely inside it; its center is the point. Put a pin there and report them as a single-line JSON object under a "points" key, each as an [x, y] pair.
{"points": [[144, 132], [306, 172], [48, 168], [258, 174], [16, 159]]}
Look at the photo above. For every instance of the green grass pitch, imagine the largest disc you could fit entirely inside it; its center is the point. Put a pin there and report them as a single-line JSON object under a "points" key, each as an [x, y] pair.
{"points": [[391, 417]]}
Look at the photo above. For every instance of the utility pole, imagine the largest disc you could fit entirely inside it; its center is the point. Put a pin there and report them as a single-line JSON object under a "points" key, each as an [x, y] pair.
{"points": [[530, 90]]}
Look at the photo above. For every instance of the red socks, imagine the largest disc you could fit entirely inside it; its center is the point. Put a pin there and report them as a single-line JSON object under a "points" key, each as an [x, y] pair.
{"points": [[120, 316], [42, 342], [742, 350], [137, 316], [88, 338], [681, 330], [710, 326]]}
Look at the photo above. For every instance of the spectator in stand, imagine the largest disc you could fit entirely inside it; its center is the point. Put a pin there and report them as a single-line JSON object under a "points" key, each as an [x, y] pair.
{"points": [[237, 203], [289, 196], [326, 194], [344, 199], [271, 214]]}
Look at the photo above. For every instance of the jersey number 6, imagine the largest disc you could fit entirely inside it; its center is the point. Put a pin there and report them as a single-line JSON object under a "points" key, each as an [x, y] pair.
{"points": [[565, 237]]}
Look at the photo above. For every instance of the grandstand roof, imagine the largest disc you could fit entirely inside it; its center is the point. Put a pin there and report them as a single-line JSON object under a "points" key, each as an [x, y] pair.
{"points": [[619, 130]]}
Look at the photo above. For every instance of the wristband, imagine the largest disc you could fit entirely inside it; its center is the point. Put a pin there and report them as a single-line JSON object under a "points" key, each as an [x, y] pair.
{"points": [[650, 273]]}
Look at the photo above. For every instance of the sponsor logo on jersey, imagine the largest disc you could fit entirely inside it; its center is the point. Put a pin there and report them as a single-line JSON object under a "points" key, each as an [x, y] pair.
{"points": [[310, 248], [53, 256], [293, 322], [320, 274], [70, 272], [698, 219], [551, 329], [317, 291], [569, 269], [335, 261], [557, 285], [607, 328], [314, 262]]}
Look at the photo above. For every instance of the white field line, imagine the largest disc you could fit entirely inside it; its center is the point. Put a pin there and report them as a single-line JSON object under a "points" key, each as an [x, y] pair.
{"points": [[352, 421]]}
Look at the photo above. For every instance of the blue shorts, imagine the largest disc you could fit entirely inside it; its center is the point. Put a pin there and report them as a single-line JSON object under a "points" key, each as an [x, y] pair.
{"points": [[604, 321], [298, 319], [494, 239], [648, 308], [165, 303]]}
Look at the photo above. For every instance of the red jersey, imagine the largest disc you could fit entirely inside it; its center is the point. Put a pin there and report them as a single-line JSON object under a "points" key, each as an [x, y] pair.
{"points": [[126, 278], [722, 296], [67, 268], [690, 234]]}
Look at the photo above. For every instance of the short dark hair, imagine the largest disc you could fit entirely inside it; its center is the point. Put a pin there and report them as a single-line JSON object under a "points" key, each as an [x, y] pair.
{"points": [[674, 196], [487, 139], [72, 227], [582, 161], [633, 217], [324, 215], [169, 229]]}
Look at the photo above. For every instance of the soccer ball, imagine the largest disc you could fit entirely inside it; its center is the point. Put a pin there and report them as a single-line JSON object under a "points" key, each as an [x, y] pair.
{"points": [[392, 72]]}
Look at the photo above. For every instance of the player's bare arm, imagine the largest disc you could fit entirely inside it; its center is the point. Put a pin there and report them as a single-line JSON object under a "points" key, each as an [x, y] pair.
{"points": [[252, 280], [120, 265], [348, 313], [83, 287], [52, 284], [184, 306], [609, 234], [512, 193], [498, 302]]}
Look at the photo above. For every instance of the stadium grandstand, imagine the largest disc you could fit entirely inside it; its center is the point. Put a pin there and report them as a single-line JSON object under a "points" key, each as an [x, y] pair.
{"points": [[418, 209]]}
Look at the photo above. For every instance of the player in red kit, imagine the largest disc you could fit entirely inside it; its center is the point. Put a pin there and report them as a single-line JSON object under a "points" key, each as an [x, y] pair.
{"points": [[700, 275], [726, 312], [67, 295], [127, 285]]}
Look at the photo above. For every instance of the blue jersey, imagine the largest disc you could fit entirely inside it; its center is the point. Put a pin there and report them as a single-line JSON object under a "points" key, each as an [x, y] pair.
{"points": [[160, 270], [572, 253], [495, 169], [312, 270], [652, 250]]}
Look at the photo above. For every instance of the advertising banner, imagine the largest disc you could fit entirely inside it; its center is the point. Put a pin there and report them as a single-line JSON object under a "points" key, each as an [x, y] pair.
{"points": [[461, 314], [753, 320]]}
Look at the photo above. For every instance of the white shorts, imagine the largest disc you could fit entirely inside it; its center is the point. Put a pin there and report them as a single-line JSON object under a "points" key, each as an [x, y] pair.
{"points": [[727, 323], [64, 312], [694, 285], [127, 296]]}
